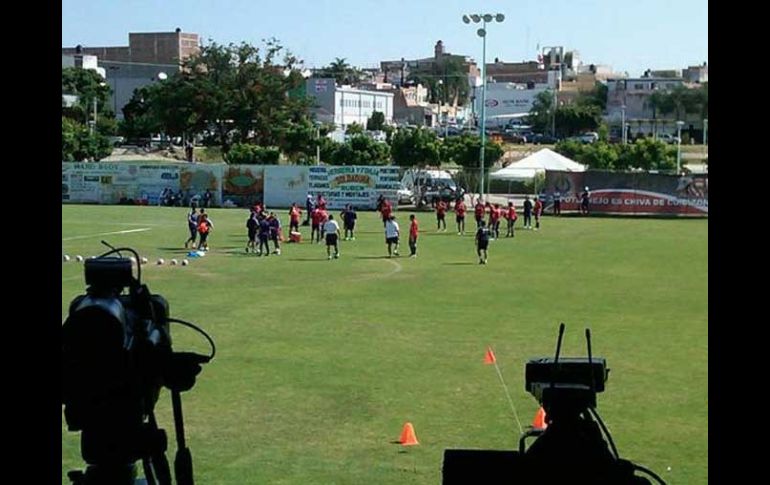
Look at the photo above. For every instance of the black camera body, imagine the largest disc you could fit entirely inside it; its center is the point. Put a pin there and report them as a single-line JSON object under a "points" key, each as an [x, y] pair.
{"points": [[114, 347], [116, 357], [570, 449]]}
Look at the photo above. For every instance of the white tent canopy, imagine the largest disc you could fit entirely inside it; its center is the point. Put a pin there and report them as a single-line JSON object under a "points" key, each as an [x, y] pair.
{"points": [[528, 167]]}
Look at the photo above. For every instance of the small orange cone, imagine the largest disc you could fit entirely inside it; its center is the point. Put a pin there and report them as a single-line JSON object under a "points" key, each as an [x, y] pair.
{"points": [[489, 358], [408, 438], [539, 421]]}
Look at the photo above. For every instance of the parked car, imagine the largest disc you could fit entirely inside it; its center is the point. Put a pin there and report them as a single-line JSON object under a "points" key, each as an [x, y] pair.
{"points": [[670, 139], [405, 196], [543, 139], [590, 137]]}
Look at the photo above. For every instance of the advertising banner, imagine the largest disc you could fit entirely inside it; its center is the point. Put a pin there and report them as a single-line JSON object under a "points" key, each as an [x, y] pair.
{"points": [[197, 178], [357, 185], [243, 185], [633, 193], [285, 185]]}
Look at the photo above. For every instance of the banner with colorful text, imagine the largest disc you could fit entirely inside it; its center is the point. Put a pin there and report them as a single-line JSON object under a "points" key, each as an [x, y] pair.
{"points": [[357, 185], [632, 193]]}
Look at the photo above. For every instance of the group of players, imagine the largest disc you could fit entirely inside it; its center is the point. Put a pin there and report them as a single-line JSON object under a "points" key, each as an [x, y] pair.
{"points": [[264, 227]]}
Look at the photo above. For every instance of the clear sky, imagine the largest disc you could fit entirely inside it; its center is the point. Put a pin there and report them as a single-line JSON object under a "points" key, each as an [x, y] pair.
{"points": [[628, 35]]}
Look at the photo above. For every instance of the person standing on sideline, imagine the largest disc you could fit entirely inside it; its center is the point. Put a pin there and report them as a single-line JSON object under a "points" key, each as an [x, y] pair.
{"points": [[349, 217], [332, 231], [538, 212], [482, 242], [584, 197], [391, 235], [440, 215], [192, 226], [557, 203], [207, 199], [413, 232], [478, 212], [511, 216], [460, 216], [527, 213]]}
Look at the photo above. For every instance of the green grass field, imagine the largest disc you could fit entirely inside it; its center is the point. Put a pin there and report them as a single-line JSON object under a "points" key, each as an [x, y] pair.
{"points": [[320, 363]]}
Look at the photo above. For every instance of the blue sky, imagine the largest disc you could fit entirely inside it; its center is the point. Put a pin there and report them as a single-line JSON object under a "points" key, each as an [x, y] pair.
{"points": [[630, 36]]}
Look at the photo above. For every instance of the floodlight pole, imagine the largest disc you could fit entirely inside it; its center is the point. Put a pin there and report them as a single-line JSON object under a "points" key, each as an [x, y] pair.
{"points": [[483, 105]]}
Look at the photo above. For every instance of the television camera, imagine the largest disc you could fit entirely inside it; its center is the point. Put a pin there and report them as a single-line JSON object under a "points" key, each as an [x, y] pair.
{"points": [[570, 449], [116, 357]]}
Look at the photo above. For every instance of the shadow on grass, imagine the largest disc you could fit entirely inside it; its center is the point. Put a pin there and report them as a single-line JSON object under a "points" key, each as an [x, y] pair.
{"points": [[316, 260], [464, 263]]}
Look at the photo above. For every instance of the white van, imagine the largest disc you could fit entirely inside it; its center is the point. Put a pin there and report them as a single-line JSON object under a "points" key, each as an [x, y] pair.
{"points": [[430, 178]]}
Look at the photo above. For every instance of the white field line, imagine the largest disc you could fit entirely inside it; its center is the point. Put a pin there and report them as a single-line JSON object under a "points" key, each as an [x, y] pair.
{"points": [[141, 229]]}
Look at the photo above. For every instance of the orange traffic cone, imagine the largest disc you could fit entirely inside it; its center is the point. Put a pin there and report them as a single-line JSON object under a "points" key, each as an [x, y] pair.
{"points": [[408, 438], [539, 421], [489, 358]]}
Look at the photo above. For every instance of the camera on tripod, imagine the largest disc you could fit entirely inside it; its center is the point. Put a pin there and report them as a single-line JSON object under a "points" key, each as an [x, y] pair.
{"points": [[116, 357], [570, 449]]}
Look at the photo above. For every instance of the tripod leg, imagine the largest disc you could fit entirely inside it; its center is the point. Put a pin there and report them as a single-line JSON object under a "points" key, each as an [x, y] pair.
{"points": [[183, 468]]}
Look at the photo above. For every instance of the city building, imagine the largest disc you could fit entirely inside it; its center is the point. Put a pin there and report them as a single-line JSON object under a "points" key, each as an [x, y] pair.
{"points": [[148, 55], [397, 72], [696, 74], [345, 105]]}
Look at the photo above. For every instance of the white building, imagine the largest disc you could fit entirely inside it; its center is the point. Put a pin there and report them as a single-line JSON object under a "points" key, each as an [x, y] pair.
{"points": [[507, 101], [82, 61], [345, 105]]}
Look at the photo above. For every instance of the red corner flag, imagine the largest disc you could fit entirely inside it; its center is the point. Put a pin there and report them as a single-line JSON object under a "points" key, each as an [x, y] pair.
{"points": [[489, 358]]}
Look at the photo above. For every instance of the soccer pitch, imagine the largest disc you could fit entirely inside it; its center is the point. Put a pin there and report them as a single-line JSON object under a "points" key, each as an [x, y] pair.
{"points": [[320, 363]]}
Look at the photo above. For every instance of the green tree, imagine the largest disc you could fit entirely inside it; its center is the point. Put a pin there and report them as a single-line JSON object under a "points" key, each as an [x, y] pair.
{"points": [[341, 71], [416, 148], [376, 121], [237, 93], [78, 144], [249, 154], [465, 151], [354, 129], [541, 114], [361, 150], [88, 86]]}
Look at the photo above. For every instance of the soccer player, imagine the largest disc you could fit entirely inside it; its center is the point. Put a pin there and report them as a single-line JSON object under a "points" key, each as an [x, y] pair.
{"points": [[494, 220], [264, 234], [192, 226], [440, 215], [511, 216], [478, 212], [275, 232], [315, 230], [391, 235], [308, 209], [413, 232], [386, 209], [349, 217], [251, 226], [584, 197], [295, 214], [538, 212], [460, 216], [557, 203], [527, 213], [482, 242], [204, 228], [332, 231]]}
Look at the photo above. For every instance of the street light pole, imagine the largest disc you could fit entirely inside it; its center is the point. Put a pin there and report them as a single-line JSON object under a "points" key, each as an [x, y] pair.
{"points": [[482, 32], [318, 145], [623, 123], [679, 147], [705, 131]]}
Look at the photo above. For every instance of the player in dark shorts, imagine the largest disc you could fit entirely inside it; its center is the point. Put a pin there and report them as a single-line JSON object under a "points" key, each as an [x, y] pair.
{"points": [[349, 217], [263, 235], [204, 227], [460, 216], [527, 213], [251, 226], [478, 212], [192, 226], [332, 235], [414, 231], [511, 216], [440, 215], [295, 214], [557, 203], [315, 227], [275, 232], [482, 242], [584, 202]]}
